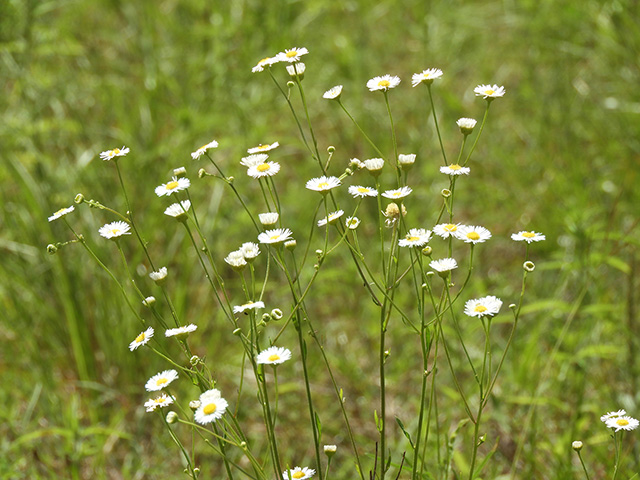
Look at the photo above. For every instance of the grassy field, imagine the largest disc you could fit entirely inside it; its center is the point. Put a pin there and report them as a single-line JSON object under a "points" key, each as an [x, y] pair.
{"points": [[559, 154]]}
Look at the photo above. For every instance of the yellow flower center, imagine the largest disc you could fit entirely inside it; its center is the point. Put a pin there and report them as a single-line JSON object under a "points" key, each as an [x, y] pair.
{"points": [[622, 422], [274, 237], [455, 166], [172, 185], [140, 337], [299, 474], [159, 400], [274, 357], [473, 236], [413, 239], [292, 53], [115, 231], [115, 151], [528, 234], [450, 227], [161, 381], [209, 409], [60, 211], [489, 92], [480, 308], [396, 194], [263, 147], [265, 59], [384, 83], [263, 167], [323, 185], [203, 148], [363, 190]]}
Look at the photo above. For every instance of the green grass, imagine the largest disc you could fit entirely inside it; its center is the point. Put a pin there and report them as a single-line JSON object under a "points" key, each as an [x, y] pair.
{"points": [[558, 155]]}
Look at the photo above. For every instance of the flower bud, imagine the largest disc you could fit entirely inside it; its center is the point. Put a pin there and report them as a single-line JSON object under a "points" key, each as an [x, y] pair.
{"points": [[180, 172], [194, 404], [406, 161], [426, 251], [52, 249], [446, 193], [290, 244], [331, 149], [194, 360], [529, 266], [79, 198], [577, 445], [466, 125], [276, 314], [330, 450], [202, 173], [172, 417]]}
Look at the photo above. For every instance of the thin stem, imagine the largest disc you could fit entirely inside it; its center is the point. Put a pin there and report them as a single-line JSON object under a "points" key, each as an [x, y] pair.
{"points": [[435, 121]]}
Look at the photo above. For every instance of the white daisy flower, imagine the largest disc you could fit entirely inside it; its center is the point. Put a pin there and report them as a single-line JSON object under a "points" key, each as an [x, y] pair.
{"points": [[149, 301], [263, 148], [159, 276], [489, 91], [250, 251], [466, 125], [323, 184], [398, 193], [178, 210], [426, 76], [528, 237], [173, 332], [443, 265], [298, 473], [292, 55], [273, 356], [266, 169], [483, 307], [472, 234], [163, 400], [333, 93], [296, 70], [161, 380], [622, 423], [254, 159], [236, 260], [203, 149], [277, 235], [352, 223], [265, 62], [406, 160], [360, 191], [455, 169], [415, 237], [608, 415], [268, 218], [212, 407], [175, 185], [331, 218], [116, 152], [141, 339], [61, 213], [248, 306], [383, 83], [445, 230], [374, 165], [114, 229]]}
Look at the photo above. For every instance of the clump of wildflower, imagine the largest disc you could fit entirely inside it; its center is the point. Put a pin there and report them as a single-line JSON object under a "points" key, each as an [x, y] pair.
{"points": [[383, 83], [141, 339], [426, 76], [175, 185], [528, 237], [333, 93], [61, 213], [212, 407], [203, 149], [263, 148], [273, 356], [175, 332], [323, 184], [248, 306], [455, 169], [160, 380], [483, 307], [163, 400], [116, 152], [472, 234], [114, 230], [489, 92], [331, 218], [298, 473], [275, 236], [415, 237]]}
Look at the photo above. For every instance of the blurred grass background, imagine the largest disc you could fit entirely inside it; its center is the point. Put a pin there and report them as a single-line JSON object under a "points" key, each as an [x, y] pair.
{"points": [[559, 155]]}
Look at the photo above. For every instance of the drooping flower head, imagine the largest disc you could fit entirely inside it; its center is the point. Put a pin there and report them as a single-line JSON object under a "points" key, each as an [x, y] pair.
{"points": [[178, 210], [248, 306], [331, 218], [176, 332], [265, 62]]}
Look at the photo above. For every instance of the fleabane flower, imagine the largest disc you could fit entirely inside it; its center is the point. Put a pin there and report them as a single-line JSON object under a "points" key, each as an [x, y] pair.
{"points": [[383, 83], [323, 184], [236, 260], [472, 234], [141, 339], [250, 251], [332, 218], [263, 148], [277, 235], [175, 185], [248, 306], [178, 210], [298, 473], [254, 159], [352, 223], [212, 407], [528, 237], [175, 332], [374, 165], [406, 161], [443, 265], [483, 307], [426, 76], [163, 400], [161, 380], [415, 237], [114, 230], [268, 218], [466, 125], [292, 55], [445, 230], [296, 70], [360, 191], [489, 91], [61, 213], [266, 169], [622, 423], [273, 356], [203, 149], [608, 415], [455, 169], [398, 193], [333, 93], [160, 276], [116, 152], [265, 62]]}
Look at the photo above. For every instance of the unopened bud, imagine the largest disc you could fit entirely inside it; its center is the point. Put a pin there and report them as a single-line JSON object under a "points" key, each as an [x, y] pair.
{"points": [[149, 301], [529, 266], [276, 314], [290, 244], [202, 173], [194, 360], [446, 193], [52, 249], [331, 149], [577, 445], [180, 172], [426, 251], [194, 404], [330, 450], [172, 417], [79, 198]]}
